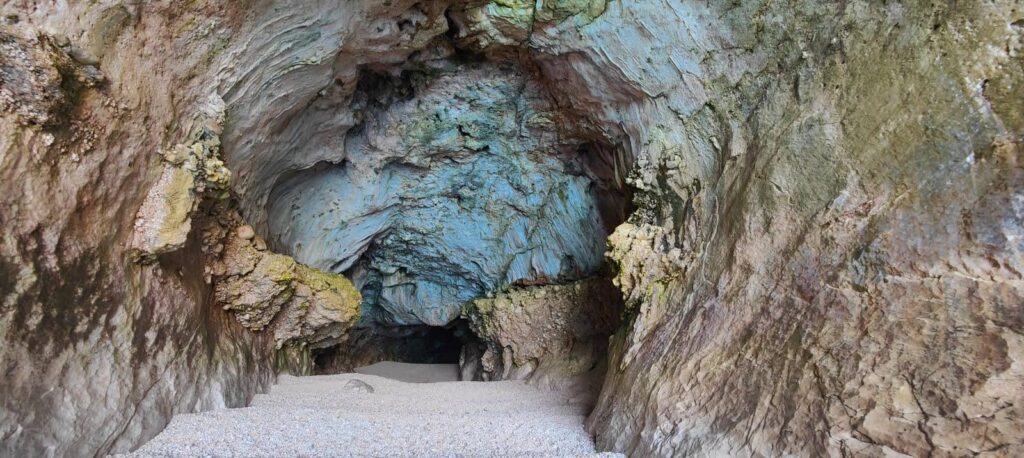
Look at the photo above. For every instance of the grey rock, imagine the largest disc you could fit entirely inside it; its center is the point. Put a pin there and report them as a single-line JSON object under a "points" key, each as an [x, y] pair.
{"points": [[30, 78], [358, 386], [546, 334]]}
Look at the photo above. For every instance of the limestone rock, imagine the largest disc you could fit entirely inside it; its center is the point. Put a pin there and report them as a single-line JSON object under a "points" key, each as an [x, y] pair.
{"points": [[98, 352], [824, 259], [549, 334], [302, 305], [246, 232], [30, 78], [806, 276], [39, 82], [164, 221]]}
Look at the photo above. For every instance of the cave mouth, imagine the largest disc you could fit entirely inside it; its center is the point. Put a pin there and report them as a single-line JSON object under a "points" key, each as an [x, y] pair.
{"points": [[440, 180], [457, 183], [403, 344]]}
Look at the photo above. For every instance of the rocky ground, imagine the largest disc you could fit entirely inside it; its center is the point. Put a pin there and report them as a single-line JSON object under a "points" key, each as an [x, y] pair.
{"points": [[369, 415]]}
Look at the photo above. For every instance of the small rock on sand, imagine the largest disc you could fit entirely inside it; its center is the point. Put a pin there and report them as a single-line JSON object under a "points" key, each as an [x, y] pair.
{"points": [[358, 386]]}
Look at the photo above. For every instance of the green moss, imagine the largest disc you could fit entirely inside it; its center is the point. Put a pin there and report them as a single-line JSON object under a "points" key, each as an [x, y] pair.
{"points": [[342, 294], [278, 267]]}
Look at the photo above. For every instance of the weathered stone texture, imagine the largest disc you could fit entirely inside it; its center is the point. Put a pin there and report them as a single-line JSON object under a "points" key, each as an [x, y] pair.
{"points": [[827, 262], [825, 257], [453, 187], [301, 305], [97, 352], [547, 334]]}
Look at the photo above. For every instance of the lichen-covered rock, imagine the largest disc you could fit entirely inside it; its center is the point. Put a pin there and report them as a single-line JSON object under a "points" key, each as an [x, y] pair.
{"points": [[192, 171], [548, 334], [255, 285], [302, 306], [324, 308]]}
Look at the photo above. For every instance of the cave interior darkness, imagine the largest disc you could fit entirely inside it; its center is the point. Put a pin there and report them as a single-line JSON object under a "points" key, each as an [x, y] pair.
{"points": [[463, 175]]}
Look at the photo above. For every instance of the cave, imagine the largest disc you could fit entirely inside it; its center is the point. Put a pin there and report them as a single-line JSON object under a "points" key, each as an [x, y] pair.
{"points": [[452, 184], [511, 228], [405, 344]]}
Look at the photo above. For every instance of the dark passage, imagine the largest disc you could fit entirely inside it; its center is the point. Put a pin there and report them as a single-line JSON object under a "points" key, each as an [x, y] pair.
{"points": [[405, 344]]}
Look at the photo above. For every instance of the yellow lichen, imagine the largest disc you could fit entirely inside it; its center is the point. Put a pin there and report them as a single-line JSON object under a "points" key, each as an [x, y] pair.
{"points": [[179, 200]]}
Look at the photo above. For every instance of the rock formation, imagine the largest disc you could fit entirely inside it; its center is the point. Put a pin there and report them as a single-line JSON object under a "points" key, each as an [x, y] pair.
{"points": [[453, 186], [549, 334], [813, 210]]}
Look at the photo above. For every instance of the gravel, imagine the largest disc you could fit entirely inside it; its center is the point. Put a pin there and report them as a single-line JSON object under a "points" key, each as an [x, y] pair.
{"points": [[323, 416]]}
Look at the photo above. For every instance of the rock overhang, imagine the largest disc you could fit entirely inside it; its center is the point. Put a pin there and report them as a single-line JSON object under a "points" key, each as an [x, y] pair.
{"points": [[429, 167], [457, 183]]}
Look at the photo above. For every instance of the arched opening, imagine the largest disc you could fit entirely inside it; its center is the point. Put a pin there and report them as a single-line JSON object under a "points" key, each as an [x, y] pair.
{"points": [[447, 178]]}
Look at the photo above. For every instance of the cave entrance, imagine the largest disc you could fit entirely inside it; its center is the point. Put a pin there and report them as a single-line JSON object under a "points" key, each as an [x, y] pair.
{"points": [[403, 344], [463, 179], [445, 178]]}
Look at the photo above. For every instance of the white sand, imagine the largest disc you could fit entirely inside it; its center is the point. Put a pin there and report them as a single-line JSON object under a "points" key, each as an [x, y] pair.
{"points": [[320, 416], [413, 373]]}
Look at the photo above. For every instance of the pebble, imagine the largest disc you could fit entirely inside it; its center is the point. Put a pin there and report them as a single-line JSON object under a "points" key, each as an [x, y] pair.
{"points": [[359, 386]]}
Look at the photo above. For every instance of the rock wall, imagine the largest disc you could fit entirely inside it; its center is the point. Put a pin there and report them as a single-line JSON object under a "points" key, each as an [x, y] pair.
{"points": [[551, 335], [97, 351], [824, 258]]}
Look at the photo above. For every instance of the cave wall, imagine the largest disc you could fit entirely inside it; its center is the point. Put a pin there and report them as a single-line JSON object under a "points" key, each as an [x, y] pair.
{"points": [[824, 257], [454, 185], [97, 352]]}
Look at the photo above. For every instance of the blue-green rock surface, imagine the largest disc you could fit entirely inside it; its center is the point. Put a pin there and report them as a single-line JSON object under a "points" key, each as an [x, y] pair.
{"points": [[455, 186]]}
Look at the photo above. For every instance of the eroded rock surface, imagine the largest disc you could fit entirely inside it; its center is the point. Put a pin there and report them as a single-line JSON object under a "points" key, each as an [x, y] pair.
{"points": [[824, 258], [827, 263], [454, 186], [301, 305], [190, 172], [547, 334], [98, 352], [39, 81]]}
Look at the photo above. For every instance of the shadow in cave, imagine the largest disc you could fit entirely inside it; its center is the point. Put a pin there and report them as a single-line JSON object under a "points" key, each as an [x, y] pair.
{"points": [[401, 344]]}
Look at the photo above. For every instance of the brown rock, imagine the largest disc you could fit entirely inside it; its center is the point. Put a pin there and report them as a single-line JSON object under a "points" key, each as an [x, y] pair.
{"points": [[548, 334], [246, 232]]}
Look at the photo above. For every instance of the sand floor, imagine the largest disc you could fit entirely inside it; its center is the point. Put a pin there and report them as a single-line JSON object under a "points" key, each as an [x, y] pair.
{"points": [[413, 373], [322, 416]]}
